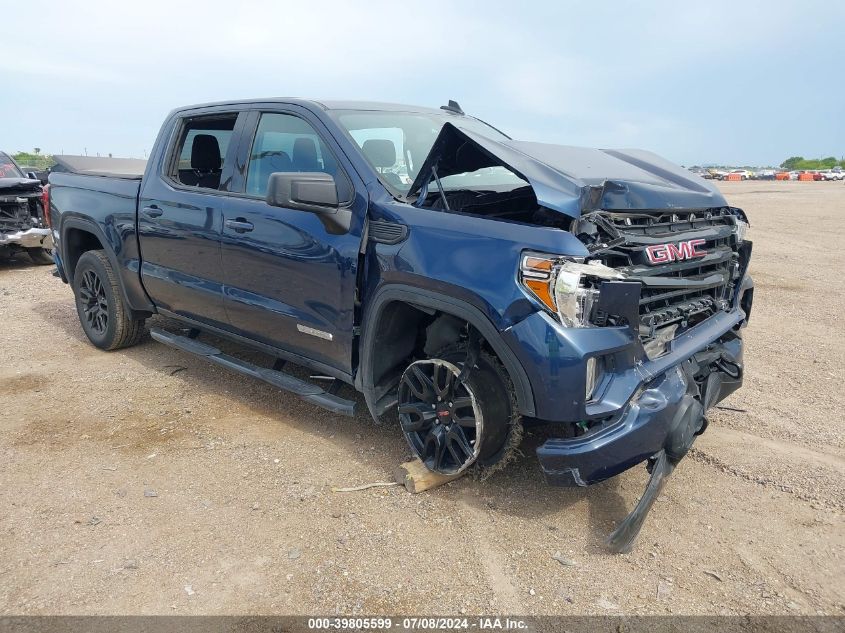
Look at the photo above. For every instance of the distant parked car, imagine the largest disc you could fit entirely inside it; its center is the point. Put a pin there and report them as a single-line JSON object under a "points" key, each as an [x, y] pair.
{"points": [[837, 173], [765, 174], [744, 174]]}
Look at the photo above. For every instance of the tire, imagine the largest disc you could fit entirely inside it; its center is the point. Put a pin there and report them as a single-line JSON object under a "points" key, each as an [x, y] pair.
{"points": [[40, 256], [100, 306], [453, 426]]}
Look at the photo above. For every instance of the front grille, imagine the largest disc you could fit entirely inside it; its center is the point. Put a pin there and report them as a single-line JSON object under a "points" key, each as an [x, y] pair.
{"points": [[681, 292]]}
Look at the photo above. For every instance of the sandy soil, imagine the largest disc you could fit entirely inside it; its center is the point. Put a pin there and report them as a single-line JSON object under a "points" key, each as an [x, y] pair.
{"points": [[147, 481]]}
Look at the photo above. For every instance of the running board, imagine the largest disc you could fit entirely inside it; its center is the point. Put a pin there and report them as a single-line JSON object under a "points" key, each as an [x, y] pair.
{"points": [[307, 391]]}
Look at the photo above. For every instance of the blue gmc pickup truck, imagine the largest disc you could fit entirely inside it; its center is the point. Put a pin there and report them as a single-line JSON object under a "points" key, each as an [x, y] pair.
{"points": [[466, 281]]}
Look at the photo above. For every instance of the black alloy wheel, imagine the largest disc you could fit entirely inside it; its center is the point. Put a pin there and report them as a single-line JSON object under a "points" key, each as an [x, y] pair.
{"points": [[104, 317], [440, 416], [94, 303]]}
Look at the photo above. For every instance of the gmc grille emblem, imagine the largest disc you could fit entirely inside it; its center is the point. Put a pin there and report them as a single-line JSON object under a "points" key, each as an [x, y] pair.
{"points": [[665, 253]]}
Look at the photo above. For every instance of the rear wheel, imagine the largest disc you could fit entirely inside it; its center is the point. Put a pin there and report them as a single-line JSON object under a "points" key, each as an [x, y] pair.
{"points": [[453, 422], [40, 256], [99, 304]]}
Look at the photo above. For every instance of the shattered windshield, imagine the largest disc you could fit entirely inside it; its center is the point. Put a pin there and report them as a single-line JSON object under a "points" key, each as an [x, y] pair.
{"points": [[8, 169], [397, 143]]}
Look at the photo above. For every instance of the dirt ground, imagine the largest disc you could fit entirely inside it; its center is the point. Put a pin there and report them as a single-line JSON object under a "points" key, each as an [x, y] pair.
{"points": [[148, 481]]}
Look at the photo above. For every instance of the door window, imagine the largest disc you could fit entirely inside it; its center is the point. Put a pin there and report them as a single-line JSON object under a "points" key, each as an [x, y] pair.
{"points": [[201, 151], [287, 143]]}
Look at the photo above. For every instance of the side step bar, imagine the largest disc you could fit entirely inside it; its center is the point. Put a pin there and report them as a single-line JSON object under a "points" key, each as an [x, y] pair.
{"points": [[307, 391]]}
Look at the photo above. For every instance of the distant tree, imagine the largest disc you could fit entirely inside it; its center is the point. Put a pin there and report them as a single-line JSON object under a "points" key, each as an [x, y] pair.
{"points": [[31, 159], [829, 162], [37, 150], [792, 162]]}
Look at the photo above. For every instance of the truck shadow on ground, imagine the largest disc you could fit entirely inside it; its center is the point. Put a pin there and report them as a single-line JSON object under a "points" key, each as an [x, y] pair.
{"points": [[19, 261], [519, 490]]}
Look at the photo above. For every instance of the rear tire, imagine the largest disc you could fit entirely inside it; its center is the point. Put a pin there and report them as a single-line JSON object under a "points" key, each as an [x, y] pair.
{"points": [[99, 303], [40, 256], [452, 425]]}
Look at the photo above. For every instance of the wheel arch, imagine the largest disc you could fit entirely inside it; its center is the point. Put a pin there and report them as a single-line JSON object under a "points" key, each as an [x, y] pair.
{"points": [[80, 235], [429, 302]]}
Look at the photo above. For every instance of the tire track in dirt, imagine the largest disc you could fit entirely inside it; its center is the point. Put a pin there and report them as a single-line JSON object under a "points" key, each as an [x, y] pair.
{"points": [[507, 597], [774, 481]]}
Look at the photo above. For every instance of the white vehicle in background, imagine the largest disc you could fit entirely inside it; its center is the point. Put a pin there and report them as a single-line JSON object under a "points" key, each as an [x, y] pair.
{"points": [[837, 173], [744, 174]]}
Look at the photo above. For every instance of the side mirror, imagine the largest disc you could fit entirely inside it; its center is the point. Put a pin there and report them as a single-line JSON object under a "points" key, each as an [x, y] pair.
{"points": [[315, 192], [38, 175]]}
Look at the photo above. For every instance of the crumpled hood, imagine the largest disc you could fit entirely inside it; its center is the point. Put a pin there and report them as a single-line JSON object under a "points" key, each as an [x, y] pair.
{"points": [[573, 180], [10, 186]]}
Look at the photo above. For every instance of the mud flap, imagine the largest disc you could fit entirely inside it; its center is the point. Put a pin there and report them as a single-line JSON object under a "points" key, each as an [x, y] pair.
{"points": [[622, 539]]}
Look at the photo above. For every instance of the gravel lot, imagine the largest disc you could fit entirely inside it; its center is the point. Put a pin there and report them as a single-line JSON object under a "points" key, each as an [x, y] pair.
{"points": [[147, 481]]}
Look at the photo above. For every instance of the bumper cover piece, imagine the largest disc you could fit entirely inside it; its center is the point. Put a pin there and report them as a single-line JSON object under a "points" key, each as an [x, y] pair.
{"points": [[30, 238], [667, 414]]}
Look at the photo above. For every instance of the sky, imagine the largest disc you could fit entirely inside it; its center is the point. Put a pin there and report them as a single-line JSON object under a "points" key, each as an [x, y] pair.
{"points": [[737, 83]]}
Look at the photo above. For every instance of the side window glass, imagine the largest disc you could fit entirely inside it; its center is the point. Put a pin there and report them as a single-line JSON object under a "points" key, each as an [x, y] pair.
{"points": [[202, 149], [287, 143]]}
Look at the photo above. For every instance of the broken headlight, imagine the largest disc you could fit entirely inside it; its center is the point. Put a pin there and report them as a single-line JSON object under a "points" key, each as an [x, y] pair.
{"points": [[566, 287], [741, 230]]}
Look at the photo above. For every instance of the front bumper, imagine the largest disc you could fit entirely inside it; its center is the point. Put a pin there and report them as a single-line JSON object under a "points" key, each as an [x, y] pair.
{"points": [[30, 238], [639, 406], [666, 414]]}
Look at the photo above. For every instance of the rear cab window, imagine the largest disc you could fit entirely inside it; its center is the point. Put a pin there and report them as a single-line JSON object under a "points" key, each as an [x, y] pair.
{"points": [[198, 158]]}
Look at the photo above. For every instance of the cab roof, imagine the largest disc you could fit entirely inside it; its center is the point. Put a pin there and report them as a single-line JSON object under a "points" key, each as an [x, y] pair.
{"points": [[323, 105]]}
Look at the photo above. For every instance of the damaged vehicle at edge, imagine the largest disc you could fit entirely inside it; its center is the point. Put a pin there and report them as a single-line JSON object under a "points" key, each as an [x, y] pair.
{"points": [[23, 224], [465, 281]]}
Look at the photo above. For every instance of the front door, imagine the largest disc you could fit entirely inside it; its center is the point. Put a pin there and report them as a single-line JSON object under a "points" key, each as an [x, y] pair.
{"points": [[288, 281], [180, 219]]}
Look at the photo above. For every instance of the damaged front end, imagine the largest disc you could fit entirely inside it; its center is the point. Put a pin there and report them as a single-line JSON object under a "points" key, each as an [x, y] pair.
{"points": [[674, 284], [23, 224], [639, 334]]}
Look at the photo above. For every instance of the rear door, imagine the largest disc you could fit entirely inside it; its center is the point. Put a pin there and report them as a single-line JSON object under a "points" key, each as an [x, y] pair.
{"points": [[289, 282], [180, 215]]}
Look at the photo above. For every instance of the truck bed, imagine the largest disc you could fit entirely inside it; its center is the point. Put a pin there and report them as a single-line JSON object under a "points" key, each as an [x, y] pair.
{"points": [[124, 168]]}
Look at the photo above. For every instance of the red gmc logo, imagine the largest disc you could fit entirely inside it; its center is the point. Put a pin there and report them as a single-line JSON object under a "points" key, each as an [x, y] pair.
{"points": [[665, 253]]}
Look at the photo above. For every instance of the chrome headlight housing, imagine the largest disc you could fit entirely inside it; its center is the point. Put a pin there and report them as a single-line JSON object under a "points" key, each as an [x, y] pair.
{"points": [[567, 287]]}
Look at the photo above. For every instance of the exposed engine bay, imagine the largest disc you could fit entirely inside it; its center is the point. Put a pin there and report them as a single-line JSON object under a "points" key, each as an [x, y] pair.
{"points": [[687, 262], [23, 224]]}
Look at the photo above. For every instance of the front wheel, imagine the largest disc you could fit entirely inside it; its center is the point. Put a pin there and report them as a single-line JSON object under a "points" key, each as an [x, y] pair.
{"points": [[99, 304], [40, 256], [455, 421]]}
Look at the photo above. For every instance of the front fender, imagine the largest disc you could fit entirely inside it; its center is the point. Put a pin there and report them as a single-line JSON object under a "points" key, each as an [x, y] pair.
{"points": [[432, 300]]}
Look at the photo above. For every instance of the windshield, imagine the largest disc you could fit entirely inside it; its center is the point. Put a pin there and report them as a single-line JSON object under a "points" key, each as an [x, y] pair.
{"points": [[397, 143], [8, 169]]}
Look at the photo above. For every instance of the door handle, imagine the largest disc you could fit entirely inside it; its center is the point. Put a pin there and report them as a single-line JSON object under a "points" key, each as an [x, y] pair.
{"points": [[152, 212], [239, 225]]}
